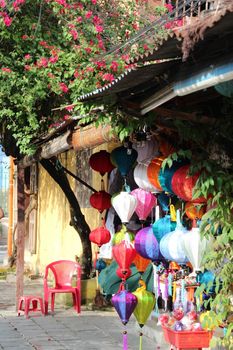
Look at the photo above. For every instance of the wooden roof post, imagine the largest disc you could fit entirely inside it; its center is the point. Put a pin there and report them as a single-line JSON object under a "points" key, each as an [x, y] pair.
{"points": [[20, 234]]}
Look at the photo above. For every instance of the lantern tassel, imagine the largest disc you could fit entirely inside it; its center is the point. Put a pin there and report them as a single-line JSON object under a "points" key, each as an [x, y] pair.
{"points": [[140, 340], [125, 340]]}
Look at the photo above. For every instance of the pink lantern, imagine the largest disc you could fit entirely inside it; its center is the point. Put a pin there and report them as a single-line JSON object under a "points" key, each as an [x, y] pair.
{"points": [[145, 202]]}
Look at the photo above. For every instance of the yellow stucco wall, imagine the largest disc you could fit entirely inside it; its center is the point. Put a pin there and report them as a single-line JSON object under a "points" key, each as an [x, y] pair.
{"points": [[56, 239]]}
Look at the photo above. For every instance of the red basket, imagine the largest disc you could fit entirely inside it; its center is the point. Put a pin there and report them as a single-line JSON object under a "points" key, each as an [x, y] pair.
{"points": [[187, 339]]}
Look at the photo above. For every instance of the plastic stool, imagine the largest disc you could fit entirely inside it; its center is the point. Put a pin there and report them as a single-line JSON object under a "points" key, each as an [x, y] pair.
{"points": [[26, 300]]}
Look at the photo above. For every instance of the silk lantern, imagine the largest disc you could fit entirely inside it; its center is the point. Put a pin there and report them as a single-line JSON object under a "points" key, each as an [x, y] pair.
{"points": [[146, 244], [100, 236], [166, 174], [100, 200], [145, 202], [153, 170], [171, 244], [183, 184], [147, 151], [100, 161], [125, 205], [124, 254], [124, 158], [145, 304], [165, 147], [141, 179], [124, 303], [141, 263], [163, 226], [120, 235], [195, 247], [194, 211]]}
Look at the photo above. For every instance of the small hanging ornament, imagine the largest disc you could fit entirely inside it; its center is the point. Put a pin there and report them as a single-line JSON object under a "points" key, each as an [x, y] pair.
{"points": [[100, 161], [124, 204], [145, 202], [101, 200], [100, 236], [124, 158]]}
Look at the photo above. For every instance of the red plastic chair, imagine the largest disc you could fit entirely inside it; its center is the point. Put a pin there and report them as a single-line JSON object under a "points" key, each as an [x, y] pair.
{"points": [[63, 272]]}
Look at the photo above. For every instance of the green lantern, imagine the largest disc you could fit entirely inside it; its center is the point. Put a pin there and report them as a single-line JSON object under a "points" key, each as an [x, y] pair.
{"points": [[145, 305], [120, 236]]}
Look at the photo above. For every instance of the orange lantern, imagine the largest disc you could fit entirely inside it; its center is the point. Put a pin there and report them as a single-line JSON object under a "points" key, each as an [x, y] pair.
{"points": [[165, 147], [194, 211], [141, 263], [153, 172]]}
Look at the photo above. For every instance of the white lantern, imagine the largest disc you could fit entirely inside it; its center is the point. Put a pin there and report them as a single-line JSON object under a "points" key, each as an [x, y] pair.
{"points": [[195, 247], [147, 150], [141, 179], [124, 204]]}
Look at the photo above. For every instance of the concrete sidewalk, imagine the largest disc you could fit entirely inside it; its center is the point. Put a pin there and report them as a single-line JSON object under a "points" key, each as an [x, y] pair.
{"points": [[65, 330]]}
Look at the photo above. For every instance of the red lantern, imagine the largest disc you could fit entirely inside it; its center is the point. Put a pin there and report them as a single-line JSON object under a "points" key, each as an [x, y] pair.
{"points": [[100, 162], [124, 254], [100, 236], [100, 200], [123, 275], [183, 184]]}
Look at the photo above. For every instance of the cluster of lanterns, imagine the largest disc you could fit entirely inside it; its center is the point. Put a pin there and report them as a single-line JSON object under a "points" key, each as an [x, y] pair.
{"points": [[165, 239]]}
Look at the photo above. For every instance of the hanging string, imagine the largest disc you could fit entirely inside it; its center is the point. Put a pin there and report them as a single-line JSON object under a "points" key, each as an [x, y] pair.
{"points": [[140, 340], [125, 340], [183, 292]]}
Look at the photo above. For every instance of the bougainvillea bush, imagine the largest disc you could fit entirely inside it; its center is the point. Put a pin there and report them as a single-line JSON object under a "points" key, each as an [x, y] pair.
{"points": [[53, 51]]}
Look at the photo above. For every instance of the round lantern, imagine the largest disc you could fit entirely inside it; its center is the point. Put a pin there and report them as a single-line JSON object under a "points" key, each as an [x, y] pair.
{"points": [[183, 184], [125, 205], [120, 236], [141, 263], [141, 179], [146, 244], [153, 172], [145, 202], [194, 211], [124, 303], [147, 151], [124, 158], [165, 147], [171, 244], [166, 174], [101, 200], [163, 226], [145, 304], [195, 247], [124, 254], [100, 236], [100, 161]]}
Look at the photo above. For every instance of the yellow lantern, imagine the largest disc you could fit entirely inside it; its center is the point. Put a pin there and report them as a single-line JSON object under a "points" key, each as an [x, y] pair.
{"points": [[145, 305]]}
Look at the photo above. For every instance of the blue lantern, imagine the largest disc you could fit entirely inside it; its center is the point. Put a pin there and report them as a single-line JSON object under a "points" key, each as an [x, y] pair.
{"points": [[162, 226], [124, 158]]}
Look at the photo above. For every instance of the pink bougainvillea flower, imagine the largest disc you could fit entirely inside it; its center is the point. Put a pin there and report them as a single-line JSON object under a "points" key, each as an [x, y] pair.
{"points": [[145, 47], [97, 20], [7, 20], [114, 66], [2, 3], [69, 108], [99, 28], [88, 50], [64, 88], [169, 7], [88, 14], [43, 62], [7, 70], [27, 67], [66, 117], [79, 19], [108, 77], [27, 56], [24, 37], [100, 64], [94, 2], [53, 59], [74, 34]]}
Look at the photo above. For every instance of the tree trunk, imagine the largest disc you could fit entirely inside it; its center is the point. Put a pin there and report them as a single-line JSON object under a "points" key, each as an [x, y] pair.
{"points": [[53, 167]]}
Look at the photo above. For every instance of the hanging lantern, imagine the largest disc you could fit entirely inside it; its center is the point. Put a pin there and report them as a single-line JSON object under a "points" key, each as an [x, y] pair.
{"points": [[101, 200], [153, 172], [194, 211], [124, 254], [146, 244], [165, 147], [171, 244], [120, 236], [100, 161], [141, 263], [125, 205], [145, 305], [124, 159], [147, 151], [100, 236], [183, 184], [124, 303], [166, 174], [141, 179], [195, 247], [163, 226], [145, 202]]}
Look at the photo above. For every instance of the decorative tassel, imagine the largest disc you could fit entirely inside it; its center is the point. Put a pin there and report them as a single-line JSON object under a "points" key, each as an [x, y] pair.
{"points": [[140, 340], [174, 292], [183, 292], [166, 293], [169, 303], [125, 340], [170, 283], [159, 299], [172, 212]]}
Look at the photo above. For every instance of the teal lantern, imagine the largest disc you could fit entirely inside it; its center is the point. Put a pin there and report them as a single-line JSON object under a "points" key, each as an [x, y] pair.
{"points": [[124, 158], [162, 226], [165, 175]]}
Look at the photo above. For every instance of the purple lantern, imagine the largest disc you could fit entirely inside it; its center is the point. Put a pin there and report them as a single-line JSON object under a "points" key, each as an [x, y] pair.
{"points": [[147, 245], [124, 303]]}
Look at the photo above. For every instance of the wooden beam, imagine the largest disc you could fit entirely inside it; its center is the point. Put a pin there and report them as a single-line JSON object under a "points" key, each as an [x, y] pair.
{"points": [[172, 114], [20, 234]]}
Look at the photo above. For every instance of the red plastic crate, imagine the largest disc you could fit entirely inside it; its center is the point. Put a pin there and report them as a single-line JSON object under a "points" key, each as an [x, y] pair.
{"points": [[187, 339]]}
